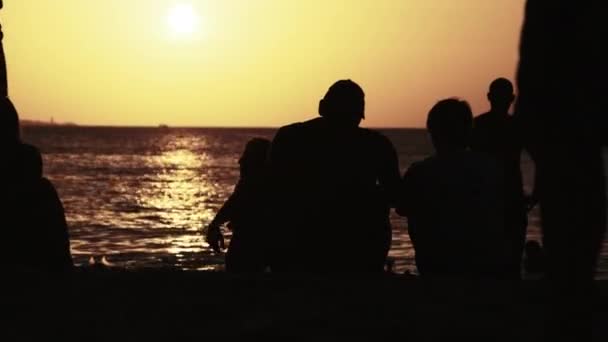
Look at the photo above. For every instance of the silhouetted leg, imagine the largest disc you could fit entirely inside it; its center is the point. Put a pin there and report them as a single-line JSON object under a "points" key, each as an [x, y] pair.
{"points": [[562, 81], [573, 211], [516, 230]]}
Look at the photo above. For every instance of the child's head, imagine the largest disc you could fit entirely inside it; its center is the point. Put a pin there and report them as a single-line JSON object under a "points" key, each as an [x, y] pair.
{"points": [[254, 158], [450, 123]]}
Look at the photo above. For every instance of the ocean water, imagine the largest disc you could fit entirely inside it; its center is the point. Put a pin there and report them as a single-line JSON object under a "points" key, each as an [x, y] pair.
{"points": [[139, 197]]}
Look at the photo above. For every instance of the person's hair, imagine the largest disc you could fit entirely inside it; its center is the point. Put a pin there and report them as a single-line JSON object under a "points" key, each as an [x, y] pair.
{"points": [[501, 86], [344, 97], [9, 121], [256, 152], [450, 123]]}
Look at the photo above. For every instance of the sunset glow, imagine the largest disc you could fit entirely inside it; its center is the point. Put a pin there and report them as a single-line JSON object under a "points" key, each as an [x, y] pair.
{"points": [[251, 63], [183, 20]]}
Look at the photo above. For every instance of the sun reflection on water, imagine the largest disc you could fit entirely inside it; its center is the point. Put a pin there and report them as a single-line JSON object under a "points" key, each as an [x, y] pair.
{"points": [[180, 196], [151, 207]]}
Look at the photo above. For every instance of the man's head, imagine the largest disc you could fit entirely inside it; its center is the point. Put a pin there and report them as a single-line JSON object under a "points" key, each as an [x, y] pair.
{"points": [[501, 95], [343, 104], [450, 123]]}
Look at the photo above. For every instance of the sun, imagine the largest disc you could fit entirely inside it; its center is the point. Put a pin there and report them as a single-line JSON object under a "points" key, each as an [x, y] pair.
{"points": [[183, 20]]}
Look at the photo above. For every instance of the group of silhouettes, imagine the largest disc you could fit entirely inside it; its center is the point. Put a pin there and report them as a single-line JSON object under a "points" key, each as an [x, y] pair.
{"points": [[319, 196]]}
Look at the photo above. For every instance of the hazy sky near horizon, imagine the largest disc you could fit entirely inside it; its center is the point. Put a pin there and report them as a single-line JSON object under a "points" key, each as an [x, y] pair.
{"points": [[251, 62]]}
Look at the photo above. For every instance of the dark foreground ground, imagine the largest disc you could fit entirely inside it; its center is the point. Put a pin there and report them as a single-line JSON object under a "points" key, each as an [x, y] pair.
{"points": [[200, 306]]}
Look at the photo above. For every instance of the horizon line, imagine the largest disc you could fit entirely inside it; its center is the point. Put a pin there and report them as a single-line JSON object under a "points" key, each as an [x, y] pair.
{"points": [[35, 123]]}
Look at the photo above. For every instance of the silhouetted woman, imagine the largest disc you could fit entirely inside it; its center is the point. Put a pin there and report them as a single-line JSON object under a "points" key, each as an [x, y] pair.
{"points": [[246, 213]]}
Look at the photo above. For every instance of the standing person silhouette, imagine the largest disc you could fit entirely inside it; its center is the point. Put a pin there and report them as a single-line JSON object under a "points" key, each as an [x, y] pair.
{"points": [[495, 135], [334, 185], [562, 110]]}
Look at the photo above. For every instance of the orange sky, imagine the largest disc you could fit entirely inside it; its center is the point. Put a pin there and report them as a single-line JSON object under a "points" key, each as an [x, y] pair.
{"points": [[251, 62]]}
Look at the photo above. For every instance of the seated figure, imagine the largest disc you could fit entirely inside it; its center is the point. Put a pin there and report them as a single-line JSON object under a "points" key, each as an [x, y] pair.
{"points": [[35, 232], [453, 201]]}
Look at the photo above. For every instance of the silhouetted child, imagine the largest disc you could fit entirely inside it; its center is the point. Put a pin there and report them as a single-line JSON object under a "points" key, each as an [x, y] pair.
{"points": [[534, 261], [453, 201], [246, 213]]}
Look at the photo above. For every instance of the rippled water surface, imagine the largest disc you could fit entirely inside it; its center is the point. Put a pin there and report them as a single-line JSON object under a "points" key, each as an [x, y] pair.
{"points": [[139, 196]]}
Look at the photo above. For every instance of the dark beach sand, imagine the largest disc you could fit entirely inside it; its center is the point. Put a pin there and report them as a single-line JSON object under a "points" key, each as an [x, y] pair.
{"points": [[207, 306]]}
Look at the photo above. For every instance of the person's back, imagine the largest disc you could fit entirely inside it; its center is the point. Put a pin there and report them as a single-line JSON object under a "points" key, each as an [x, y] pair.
{"points": [[247, 212], [453, 201], [334, 184], [36, 233], [495, 135], [34, 230]]}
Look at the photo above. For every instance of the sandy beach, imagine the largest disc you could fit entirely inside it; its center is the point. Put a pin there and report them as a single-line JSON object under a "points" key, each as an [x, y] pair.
{"points": [[177, 305]]}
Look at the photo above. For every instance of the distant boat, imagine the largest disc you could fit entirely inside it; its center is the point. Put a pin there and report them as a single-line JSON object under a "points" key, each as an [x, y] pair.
{"points": [[163, 126]]}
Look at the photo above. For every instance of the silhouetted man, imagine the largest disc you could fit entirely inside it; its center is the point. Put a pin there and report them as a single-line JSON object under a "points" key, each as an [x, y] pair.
{"points": [[453, 201], [495, 135], [561, 105], [334, 186]]}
